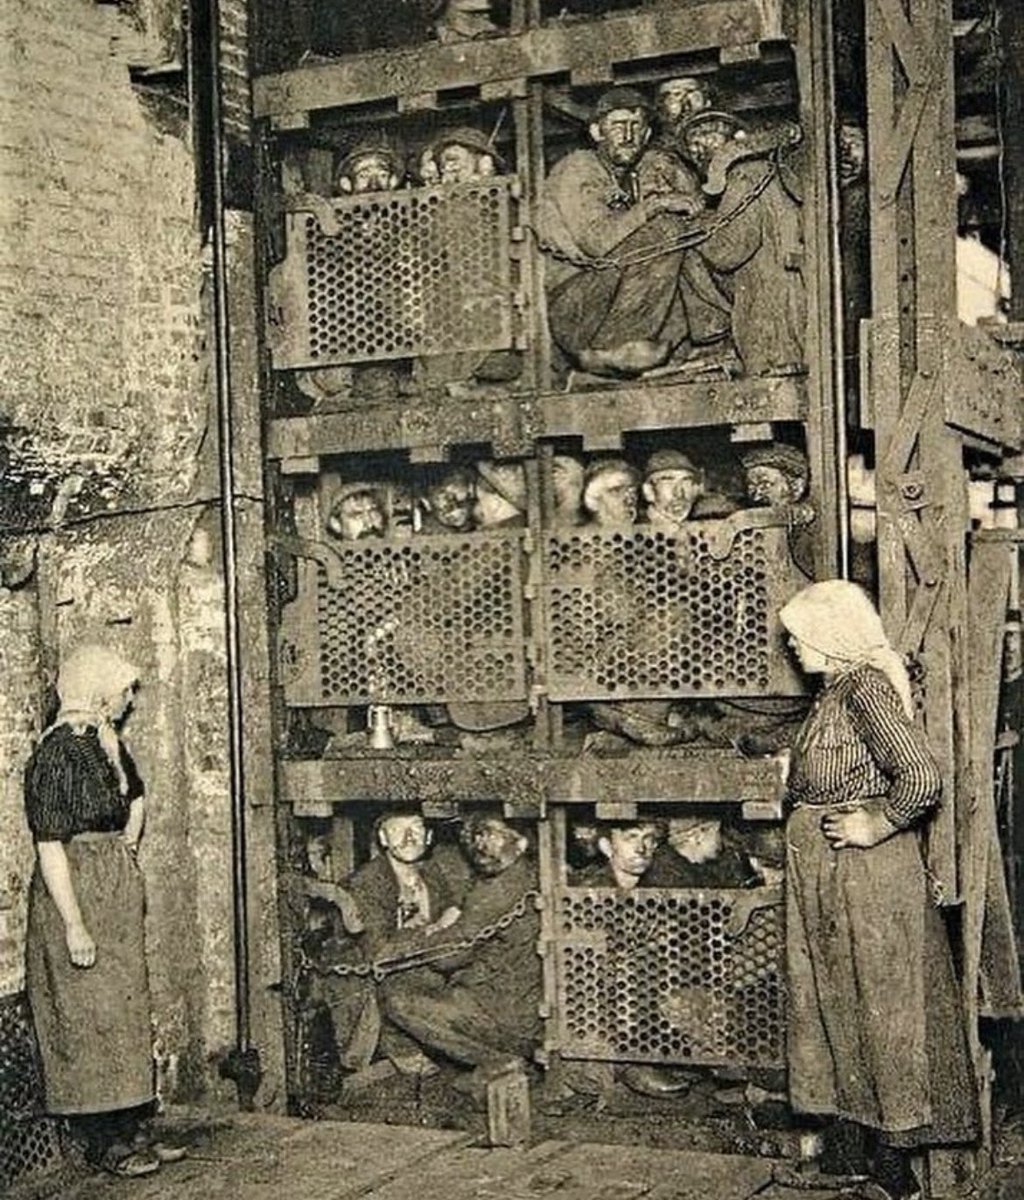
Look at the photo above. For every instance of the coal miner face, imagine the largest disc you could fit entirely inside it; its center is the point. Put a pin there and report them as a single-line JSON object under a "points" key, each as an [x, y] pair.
{"points": [[681, 98], [621, 135], [852, 153], [404, 837], [451, 500], [630, 849], [567, 482], [370, 170], [708, 133], [427, 169], [460, 164], [697, 839], [768, 486], [357, 514], [674, 492], [611, 495], [490, 845], [775, 474]]}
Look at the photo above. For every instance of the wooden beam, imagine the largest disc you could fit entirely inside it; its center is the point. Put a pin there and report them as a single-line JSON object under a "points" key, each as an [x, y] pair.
{"points": [[554, 49], [1011, 29]]}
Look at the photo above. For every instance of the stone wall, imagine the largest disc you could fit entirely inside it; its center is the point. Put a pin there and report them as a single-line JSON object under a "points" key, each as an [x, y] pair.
{"points": [[104, 363]]}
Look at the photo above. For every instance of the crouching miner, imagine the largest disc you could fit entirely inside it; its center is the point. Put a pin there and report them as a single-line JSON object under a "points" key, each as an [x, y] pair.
{"points": [[479, 1007]]}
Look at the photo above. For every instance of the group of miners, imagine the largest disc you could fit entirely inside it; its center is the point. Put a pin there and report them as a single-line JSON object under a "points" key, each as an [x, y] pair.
{"points": [[671, 241], [451, 934], [605, 491], [454, 980], [675, 235], [378, 162]]}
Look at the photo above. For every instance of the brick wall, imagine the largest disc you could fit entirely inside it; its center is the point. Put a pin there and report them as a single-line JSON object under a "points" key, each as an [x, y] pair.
{"points": [[103, 360], [234, 66]]}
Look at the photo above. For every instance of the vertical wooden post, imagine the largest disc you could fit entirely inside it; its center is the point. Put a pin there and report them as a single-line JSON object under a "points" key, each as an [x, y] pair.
{"points": [[920, 483], [1011, 27], [825, 432]]}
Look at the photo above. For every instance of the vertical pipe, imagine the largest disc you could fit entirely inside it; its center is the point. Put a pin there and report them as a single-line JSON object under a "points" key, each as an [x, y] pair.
{"points": [[242, 1063]]}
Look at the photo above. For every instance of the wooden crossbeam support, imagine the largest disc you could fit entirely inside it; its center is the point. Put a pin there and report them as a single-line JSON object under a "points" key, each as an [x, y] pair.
{"points": [[921, 494], [989, 948], [923, 404], [557, 49]]}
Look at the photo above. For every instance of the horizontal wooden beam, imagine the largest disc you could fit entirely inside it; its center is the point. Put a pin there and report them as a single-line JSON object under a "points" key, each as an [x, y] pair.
{"points": [[708, 777], [554, 49], [511, 423]]}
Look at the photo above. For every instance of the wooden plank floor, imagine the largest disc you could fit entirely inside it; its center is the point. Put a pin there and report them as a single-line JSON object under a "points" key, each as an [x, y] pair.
{"points": [[258, 1157]]}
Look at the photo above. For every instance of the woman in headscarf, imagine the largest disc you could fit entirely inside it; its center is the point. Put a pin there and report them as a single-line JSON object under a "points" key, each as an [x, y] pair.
{"points": [[876, 1036], [86, 966]]}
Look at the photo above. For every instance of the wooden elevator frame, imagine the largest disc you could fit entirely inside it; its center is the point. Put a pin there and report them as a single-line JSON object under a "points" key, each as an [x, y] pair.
{"points": [[927, 395], [930, 390]]}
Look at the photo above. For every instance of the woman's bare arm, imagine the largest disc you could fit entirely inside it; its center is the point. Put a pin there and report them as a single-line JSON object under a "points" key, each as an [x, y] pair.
{"points": [[136, 822], [53, 862]]}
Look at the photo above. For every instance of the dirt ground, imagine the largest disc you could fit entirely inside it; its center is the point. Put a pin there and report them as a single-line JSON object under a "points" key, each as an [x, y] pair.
{"points": [[264, 1157]]}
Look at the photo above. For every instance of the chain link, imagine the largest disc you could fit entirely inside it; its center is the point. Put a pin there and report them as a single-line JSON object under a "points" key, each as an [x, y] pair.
{"points": [[685, 241], [381, 968]]}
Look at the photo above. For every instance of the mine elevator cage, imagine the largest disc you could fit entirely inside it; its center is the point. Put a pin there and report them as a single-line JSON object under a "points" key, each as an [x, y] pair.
{"points": [[434, 274]]}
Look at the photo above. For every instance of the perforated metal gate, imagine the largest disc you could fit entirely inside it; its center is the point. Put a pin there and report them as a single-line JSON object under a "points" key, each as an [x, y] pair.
{"points": [[641, 613], [669, 975], [430, 619], [29, 1142], [394, 275]]}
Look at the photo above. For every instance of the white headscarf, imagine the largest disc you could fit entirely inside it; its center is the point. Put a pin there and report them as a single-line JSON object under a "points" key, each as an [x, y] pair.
{"points": [[836, 618], [90, 684]]}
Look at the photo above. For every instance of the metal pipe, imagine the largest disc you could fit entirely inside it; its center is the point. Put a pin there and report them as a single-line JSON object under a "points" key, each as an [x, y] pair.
{"points": [[242, 1064]]}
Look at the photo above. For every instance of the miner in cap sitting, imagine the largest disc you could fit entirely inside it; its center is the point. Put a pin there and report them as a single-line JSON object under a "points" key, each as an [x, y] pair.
{"points": [[674, 488], [479, 1005], [613, 270], [465, 155], [357, 511], [373, 164], [611, 491], [499, 505], [756, 254], [777, 476]]}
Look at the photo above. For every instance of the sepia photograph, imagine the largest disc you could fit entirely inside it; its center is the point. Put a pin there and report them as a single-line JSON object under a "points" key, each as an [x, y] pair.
{"points": [[511, 659]]}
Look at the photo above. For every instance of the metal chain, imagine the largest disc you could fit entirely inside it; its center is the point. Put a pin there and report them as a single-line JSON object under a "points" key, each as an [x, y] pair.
{"points": [[685, 241], [381, 968]]}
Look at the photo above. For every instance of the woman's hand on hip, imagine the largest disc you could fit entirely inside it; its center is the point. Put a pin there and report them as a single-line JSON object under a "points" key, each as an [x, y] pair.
{"points": [[81, 947], [857, 828]]}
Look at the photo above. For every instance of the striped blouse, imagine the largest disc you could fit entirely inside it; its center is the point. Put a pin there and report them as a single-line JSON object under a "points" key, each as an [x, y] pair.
{"points": [[857, 744]]}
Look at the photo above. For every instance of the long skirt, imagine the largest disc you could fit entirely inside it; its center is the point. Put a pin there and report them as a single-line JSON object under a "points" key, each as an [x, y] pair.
{"points": [[876, 1032], [93, 1023]]}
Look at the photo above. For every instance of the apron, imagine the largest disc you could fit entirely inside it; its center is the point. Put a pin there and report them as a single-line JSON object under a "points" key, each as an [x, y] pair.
{"points": [[93, 1024], [875, 1032]]}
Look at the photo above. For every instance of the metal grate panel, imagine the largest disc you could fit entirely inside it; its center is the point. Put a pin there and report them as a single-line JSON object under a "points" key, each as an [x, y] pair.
{"points": [[428, 619], [641, 613], [669, 975], [29, 1142], [395, 275]]}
